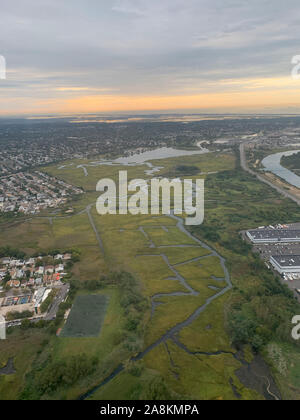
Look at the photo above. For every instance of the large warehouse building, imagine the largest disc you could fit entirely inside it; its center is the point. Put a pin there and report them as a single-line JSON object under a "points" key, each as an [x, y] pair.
{"points": [[286, 263], [259, 236]]}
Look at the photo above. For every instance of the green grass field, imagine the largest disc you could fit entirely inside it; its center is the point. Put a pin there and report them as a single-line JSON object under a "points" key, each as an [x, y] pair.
{"points": [[23, 348], [86, 317]]}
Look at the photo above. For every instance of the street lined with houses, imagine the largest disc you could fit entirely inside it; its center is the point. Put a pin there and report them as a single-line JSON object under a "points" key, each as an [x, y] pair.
{"points": [[30, 193], [29, 283]]}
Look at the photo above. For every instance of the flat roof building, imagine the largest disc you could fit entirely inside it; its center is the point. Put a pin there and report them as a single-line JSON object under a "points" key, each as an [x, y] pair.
{"points": [[259, 236], [286, 263]]}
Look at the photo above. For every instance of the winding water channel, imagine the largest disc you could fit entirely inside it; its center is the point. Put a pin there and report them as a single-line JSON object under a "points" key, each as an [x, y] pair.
{"points": [[173, 332], [272, 163]]}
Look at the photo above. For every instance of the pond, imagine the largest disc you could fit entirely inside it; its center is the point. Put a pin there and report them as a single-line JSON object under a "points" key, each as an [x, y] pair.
{"points": [[161, 153]]}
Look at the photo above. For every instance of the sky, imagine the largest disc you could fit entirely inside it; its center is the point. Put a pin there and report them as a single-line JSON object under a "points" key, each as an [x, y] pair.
{"points": [[137, 56]]}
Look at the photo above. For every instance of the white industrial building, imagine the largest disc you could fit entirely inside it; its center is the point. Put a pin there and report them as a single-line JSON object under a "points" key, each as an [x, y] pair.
{"points": [[265, 236], [39, 297], [286, 263]]}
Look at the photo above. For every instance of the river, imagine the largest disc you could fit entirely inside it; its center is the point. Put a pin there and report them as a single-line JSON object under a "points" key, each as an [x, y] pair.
{"points": [[272, 163]]}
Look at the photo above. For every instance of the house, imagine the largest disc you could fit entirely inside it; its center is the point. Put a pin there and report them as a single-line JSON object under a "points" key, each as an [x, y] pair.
{"points": [[59, 268], [14, 283], [13, 263], [20, 263], [49, 269], [30, 262], [30, 282], [40, 271], [38, 281]]}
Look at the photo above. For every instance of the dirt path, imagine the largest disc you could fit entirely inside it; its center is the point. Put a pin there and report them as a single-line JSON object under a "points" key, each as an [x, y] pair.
{"points": [[99, 240]]}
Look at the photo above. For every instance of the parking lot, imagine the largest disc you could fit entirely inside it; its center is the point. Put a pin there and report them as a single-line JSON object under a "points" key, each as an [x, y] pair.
{"points": [[293, 226], [267, 250]]}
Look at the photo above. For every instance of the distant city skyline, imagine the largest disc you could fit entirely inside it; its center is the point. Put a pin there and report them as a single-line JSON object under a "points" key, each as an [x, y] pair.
{"points": [[136, 56]]}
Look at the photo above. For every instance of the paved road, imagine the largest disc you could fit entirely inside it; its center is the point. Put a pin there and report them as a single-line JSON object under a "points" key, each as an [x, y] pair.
{"points": [[63, 293], [281, 191]]}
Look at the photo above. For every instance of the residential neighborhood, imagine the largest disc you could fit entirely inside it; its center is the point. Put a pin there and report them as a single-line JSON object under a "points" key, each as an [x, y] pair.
{"points": [[30, 193], [33, 272], [27, 284]]}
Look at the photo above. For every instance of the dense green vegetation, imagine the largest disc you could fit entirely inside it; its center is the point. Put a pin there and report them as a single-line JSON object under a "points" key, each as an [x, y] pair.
{"points": [[185, 170], [134, 306], [291, 162], [54, 374], [260, 310], [11, 316], [263, 312], [7, 251], [262, 317], [47, 302]]}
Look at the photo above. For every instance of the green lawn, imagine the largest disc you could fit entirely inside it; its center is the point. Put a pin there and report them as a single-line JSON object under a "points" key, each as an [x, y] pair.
{"points": [[86, 317]]}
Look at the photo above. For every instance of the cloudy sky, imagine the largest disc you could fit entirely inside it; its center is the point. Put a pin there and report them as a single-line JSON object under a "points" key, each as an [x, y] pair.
{"points": [[74, 56]]}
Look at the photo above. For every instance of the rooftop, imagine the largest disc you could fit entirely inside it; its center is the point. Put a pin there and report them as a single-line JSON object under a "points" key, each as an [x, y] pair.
{"points": [[287, 260], [275, 234]]}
